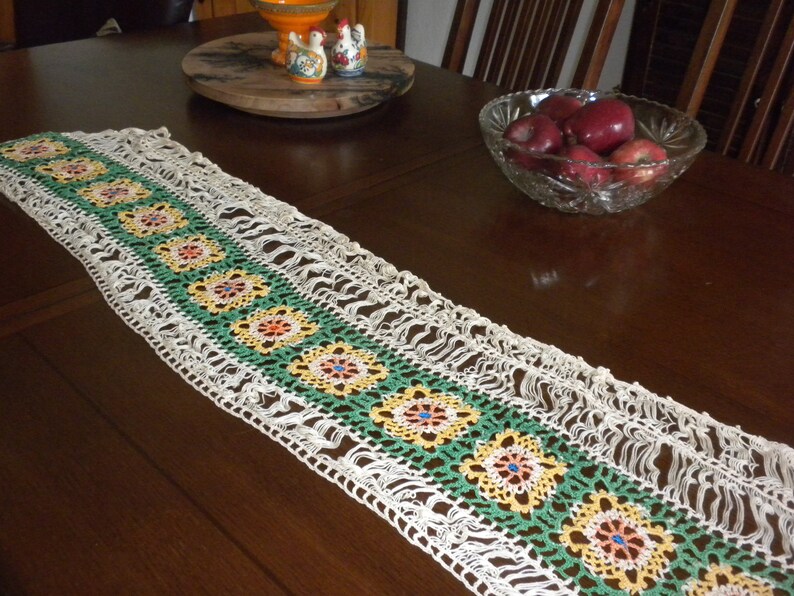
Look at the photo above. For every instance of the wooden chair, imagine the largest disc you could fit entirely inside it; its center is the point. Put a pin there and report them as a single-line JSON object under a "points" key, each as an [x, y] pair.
{"points": [[766, 92], [526, 41]]}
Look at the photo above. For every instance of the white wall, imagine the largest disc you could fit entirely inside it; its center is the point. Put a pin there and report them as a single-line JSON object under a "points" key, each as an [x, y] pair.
{"points": [[426, 29], [429, 21]]}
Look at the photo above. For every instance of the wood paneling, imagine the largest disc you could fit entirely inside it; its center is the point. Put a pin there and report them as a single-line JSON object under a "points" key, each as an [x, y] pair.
{"points": [[379, 17], [7, 32], [203, 9], [206, 9]]}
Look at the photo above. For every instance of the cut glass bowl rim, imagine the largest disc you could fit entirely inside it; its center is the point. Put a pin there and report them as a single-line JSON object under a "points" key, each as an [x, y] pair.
{"points": [[487, 126]]}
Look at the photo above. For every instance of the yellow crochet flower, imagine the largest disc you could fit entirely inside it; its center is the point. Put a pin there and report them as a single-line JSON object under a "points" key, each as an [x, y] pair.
{"points": [[339, 369], [726, 580], [107, 194], [156, 219], [424, 417], [268, 330], [73, 170], [513, 470], [617, 541], [42, 148], [192, 252], [224, 292]]}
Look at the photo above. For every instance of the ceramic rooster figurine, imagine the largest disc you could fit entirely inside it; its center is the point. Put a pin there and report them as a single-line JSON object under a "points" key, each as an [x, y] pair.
{"points": [[349, 54], [306, 62]]}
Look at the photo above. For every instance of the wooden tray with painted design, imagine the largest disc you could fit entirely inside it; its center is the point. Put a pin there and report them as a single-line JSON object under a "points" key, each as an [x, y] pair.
{"points": [[237, 71]]}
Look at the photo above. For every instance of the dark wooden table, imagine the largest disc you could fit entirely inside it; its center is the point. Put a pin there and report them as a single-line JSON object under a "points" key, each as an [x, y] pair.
{"points": [[115, 475]]}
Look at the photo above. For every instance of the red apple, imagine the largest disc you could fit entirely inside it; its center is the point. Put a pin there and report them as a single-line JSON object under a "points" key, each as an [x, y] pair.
{"points": [[535, 132], [591, 175], [601, 125], [639, 151], [559, 107]]}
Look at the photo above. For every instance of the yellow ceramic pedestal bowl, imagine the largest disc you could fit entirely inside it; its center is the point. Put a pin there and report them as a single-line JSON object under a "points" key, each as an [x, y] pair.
{"points": [[291, 15]]}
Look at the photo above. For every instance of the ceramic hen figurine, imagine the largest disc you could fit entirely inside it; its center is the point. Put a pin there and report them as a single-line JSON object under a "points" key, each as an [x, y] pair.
{"points": [[349, 54], [306, 62]]}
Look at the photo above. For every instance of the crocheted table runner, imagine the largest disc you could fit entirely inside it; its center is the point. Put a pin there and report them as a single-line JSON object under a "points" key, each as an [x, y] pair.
{"points": [[518, 467]]}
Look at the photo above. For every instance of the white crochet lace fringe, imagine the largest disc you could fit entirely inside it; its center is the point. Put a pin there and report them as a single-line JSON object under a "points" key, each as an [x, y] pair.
{"points": [[720, 475]]}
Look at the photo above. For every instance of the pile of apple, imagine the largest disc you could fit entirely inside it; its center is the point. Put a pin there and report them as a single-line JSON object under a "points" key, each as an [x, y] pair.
{"points": [[599, 132]]}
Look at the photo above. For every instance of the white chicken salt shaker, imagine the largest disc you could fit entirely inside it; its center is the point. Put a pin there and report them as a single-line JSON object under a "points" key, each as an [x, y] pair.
{"points": [[349, 54], [306, 62]]}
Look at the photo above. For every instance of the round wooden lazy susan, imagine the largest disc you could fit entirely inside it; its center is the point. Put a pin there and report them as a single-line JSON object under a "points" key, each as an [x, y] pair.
{"points": [[237, 71]]}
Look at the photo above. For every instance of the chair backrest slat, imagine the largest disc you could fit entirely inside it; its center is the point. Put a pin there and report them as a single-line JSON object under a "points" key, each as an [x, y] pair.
{"points": [[524, 55], [765, 90], [769, 98], [782, 138], [597, 43], [534, 71], [460, 34], [497, 37], [761, 50], [704, 56], [526, 41], [569, 15]]}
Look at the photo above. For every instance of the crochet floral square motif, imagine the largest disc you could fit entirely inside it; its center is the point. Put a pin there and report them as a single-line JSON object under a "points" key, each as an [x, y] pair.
{"points": [[513, 470], [155, 219], [192, 252], [223, 292], [108, 194], [274, 328], [618, 541], [424, 417], [41, 148], [339, 369], [73, 170]]}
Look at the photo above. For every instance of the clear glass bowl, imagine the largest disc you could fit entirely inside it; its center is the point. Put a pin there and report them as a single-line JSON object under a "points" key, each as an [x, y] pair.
{"points": [[682, 137]]}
